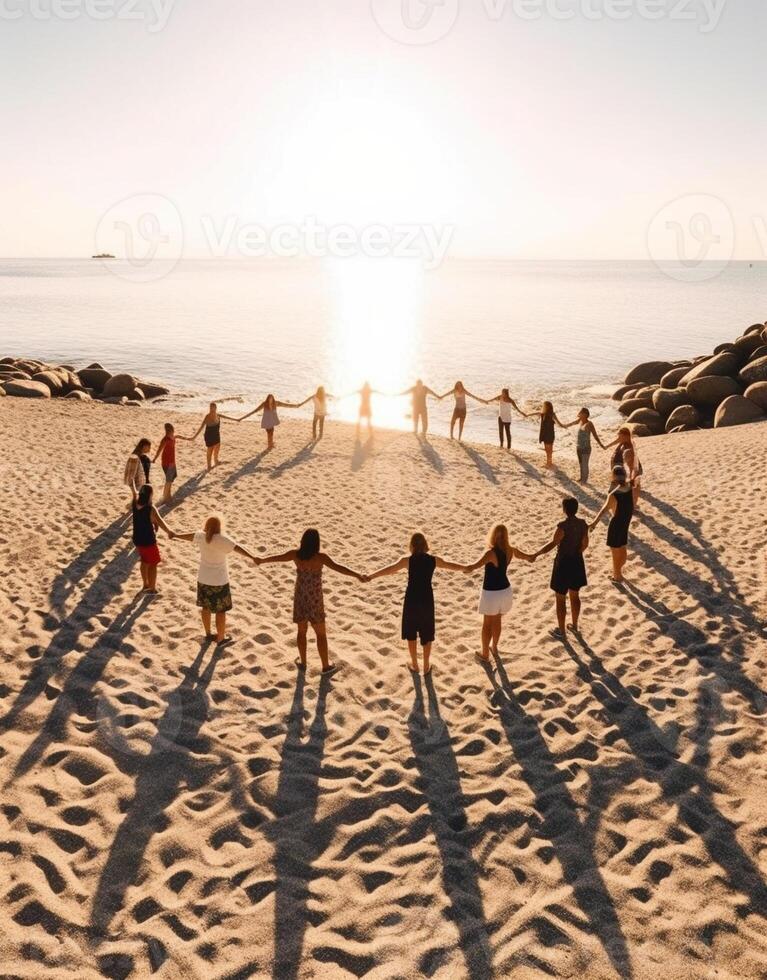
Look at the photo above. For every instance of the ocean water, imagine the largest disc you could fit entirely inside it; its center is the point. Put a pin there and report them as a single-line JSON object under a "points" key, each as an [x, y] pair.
{"points": [[235, 330]]}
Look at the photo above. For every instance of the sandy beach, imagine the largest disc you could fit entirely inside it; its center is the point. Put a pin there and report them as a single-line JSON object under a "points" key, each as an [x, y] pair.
{"points": [[592, 810]]}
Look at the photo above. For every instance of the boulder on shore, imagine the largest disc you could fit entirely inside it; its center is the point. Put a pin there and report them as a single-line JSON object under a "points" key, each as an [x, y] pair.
{"points": [[640, 430], [94, 378], [711, 391], [648, 417], [27, 389], [754, 371], [119, 386], [665, 400], [748, 344], [149, 390], [78, 395], [759, 353], [632, 404], [52, 380], [672, 378], [684, 415], [737, 410], [755, 328], [716, 366], [757, 393], [648, 373]]}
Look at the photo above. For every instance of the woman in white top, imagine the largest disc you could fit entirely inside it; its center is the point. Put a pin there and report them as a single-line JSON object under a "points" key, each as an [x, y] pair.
{"points": [[320, 402], [213, 593], [270, 419], [505, 405]]}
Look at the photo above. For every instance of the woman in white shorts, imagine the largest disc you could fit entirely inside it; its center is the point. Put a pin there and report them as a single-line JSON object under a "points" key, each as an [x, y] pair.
{"points": [[496, 597]]}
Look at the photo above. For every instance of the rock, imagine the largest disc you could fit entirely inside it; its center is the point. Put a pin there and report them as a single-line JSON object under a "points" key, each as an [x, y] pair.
{"points": [[748, 344], [716, 366], [757, 393], [737, 410], [759, 353], [647, 392], [632, 404], [151, 390], [114, 400], [7, 360], [2, 391], [648, 373], [27, 389], [67, 367], [131, 403], [683, 415], [31, 367], [137, 395], [52, 380], [756, 328], [764, 335], [725, 349], [96, 367], [640, 430], [710, 392], [82, 396], [623, 392], [94, 378], [684, 428], [120, 385], [665, 400], [8, 373], [672, 378], [650, 418], [754, 371]]}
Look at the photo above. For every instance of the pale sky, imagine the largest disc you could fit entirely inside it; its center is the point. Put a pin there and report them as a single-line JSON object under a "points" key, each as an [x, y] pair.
{"points": [[537, 138]]}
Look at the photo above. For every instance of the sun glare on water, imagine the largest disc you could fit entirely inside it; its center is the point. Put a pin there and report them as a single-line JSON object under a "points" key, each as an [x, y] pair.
{"points": [[375, 322]]}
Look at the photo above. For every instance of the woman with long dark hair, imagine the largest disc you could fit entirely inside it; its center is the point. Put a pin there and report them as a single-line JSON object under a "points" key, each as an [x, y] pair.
{"points": [[270, 419], [308, 600], [496, 597], [418, 607], [214, 597], [620, 502], [146, 520], [505, 405], [212, 426], [460, 393], [546, 435]]}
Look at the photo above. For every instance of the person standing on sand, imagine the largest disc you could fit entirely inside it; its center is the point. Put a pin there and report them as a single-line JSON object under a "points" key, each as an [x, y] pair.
{"points": [[568, 577], [546, 436], [137, 468], [214, 595], [418, 607], [366, 407], [586, 429], [308, 600], [620, 502], [320, 401], [270, 419], [167, 448], [505, 405], [212, 425], [419, 394], [496, 597], [460, 394], [146, 520], [626, 455]]}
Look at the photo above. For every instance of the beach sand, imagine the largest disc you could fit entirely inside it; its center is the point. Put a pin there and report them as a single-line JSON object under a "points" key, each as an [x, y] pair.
{"points": [[592, 811]]}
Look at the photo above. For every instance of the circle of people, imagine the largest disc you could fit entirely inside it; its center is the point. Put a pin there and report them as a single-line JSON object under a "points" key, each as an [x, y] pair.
{"points": [[569, 541]]}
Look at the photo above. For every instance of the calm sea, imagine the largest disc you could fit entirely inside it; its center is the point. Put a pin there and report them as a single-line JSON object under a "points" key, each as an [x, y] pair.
{"points": [[240, 329]]}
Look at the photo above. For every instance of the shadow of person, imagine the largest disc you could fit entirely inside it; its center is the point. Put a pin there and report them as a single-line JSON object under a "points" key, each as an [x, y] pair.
{"points": [[362, 452], [69, 577], [431, 455], [77, 697], [483, 465], [159, 776], [682, 785], [303, 455], [186, 489], [440, 784], [248, 468], [556, 820], [297, 845]]}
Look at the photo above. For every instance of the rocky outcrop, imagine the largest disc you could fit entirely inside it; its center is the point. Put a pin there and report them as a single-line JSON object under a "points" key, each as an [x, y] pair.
{"points": [[63, 381], [754, 371], [27, 389], [757, 393], [712, 391], [737, 410], [648, 373]]}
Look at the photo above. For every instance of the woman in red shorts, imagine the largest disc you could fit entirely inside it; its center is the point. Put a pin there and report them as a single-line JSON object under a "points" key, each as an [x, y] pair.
{"points": [[146, 520]]}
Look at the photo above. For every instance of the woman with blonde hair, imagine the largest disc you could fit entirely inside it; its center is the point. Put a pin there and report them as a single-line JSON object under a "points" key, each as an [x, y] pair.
{"points": [[214, 596], [626, 455], [308, 600], [496, 597], [418, 607]]}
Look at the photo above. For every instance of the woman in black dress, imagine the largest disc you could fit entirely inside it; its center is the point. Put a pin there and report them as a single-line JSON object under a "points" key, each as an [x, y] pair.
{"points": [[418, 607], [546, 435], [620, 502], [568, 575]]}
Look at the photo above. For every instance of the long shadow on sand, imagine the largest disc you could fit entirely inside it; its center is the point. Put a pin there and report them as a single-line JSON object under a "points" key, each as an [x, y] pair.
{"points": [[159, 776], [362, 453], [682, 785], [559, 822], [431, 455], [77, 696], [484, 466], [248, 468], [293, 830], [303, 455], [440, 783]]}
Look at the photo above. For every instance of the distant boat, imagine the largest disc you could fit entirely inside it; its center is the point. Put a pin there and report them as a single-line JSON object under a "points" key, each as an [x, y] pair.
{"points": [[103, 255]]}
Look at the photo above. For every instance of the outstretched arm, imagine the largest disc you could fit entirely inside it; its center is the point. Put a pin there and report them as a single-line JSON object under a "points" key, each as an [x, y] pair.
{"points": [[202, 426], [243, 417], [523, 555], [599, 516], [469, 395], [290, 404], [593, 431], [451, 566], [558, 536], [341, 569], [185, 536], [488, 556], [239, 550], [274, 559], [159, 449], [563, 425], [159, 522], [389, 569]]}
